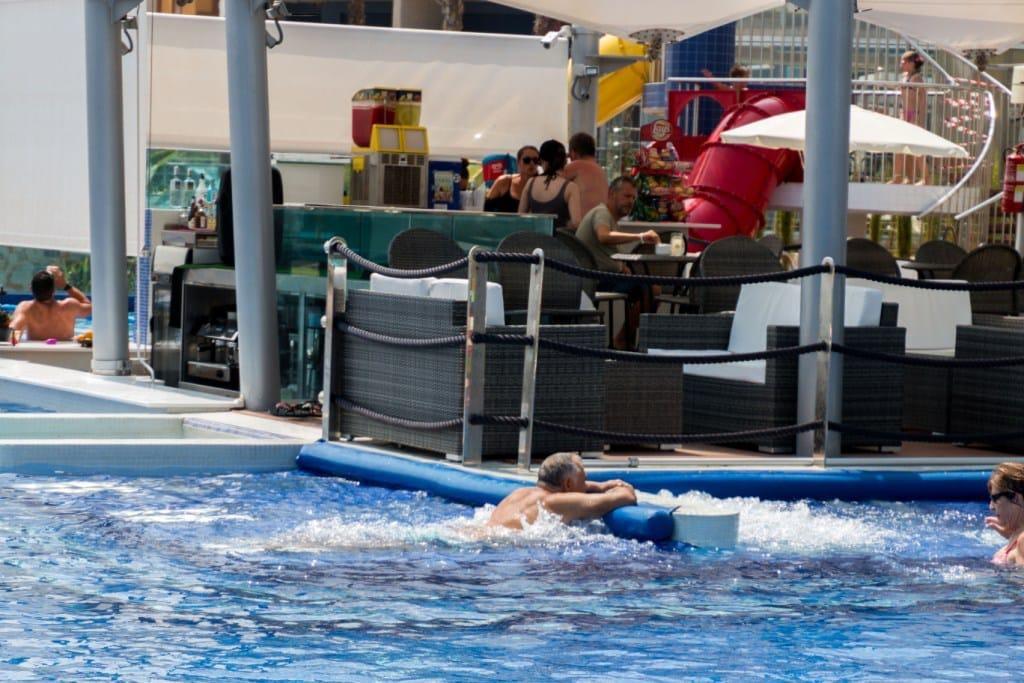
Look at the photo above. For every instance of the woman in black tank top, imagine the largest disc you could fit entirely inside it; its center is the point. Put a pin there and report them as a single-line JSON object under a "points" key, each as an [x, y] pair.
{"points": [[564, 202], [504, 195]]}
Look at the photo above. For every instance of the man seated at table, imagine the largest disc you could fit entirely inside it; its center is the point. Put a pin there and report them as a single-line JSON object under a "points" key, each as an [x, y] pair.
{"points": [[600, 234], [43, 317], [562, 489]]}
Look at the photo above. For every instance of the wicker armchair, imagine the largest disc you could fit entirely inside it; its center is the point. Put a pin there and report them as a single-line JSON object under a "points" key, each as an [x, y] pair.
{"points": [[991, 263], [863, 254], [586, 260], [737, 255], [989, 400], [427, 384], [872, 391], [772, 242], [560, 301], [940, 251], [418, 248]]}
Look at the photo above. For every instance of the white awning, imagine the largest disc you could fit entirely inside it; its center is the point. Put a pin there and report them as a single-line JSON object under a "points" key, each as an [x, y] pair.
{"points": [[624, 19], [481, 93], [956, 24]]}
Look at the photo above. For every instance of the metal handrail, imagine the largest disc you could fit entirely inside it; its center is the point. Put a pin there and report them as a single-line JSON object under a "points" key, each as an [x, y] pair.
{"points": [[978, 162]]}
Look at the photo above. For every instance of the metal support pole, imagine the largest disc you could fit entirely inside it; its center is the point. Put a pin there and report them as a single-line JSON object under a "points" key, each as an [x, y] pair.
{"points": [[826, 443], [585, 51], [1018, 240], [830, 36], [337, 281], [107, 242], [530, 360], [255, 283], [473, 398]]}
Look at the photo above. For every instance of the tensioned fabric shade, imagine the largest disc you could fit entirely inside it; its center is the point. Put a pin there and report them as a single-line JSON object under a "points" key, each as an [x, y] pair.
{"points": [[959, 24], [481, 93]]}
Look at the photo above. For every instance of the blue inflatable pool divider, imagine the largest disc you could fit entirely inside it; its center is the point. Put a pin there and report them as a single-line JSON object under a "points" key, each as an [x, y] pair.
{"points": [[642, 522], [848, 485]]}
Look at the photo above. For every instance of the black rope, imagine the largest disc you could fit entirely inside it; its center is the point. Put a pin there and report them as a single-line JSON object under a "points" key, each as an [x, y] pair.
{"points": [[439, 425], [513, 420], [409, 342], [716, 437], [369, 265], [507, 339], [931, 284], [591, 274], [709, 359], [929, 362], [925, 437]]}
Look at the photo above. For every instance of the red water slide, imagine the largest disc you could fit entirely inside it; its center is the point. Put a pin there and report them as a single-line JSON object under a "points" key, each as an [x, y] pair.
{"points": [[732, 184]]}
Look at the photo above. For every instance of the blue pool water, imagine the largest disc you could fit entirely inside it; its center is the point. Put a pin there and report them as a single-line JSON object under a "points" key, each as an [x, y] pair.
{"points": [[10, 407], [292, 577]]}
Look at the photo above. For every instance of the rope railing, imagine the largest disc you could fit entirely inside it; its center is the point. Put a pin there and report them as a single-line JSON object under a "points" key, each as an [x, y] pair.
{"points": [[927, 361], [942, 285], [409, 342]]}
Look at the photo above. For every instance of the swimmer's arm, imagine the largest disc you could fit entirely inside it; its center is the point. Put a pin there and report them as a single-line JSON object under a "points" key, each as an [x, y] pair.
{"points": [[17, 324], [602, 486], [572, 506]]}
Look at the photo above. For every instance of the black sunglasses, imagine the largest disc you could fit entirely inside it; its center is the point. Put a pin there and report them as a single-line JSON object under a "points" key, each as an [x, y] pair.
{"points": [[994, 497], [530, 160]]}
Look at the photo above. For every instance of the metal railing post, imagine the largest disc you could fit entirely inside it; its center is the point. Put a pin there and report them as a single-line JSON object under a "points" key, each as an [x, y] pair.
{"points": [[530, 361], [337, 282], [826, 442], [473, 398]]}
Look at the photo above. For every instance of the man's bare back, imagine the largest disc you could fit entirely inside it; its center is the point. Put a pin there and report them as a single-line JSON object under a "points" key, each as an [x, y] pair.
{"points": [[48, 319], [591, 180], [562, 489]]}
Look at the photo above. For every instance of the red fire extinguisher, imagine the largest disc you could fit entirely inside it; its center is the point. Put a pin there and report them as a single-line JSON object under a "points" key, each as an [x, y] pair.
{"points": [[1013, 181]]}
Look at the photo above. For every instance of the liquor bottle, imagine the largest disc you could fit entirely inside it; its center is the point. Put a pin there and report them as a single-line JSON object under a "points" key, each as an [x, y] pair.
{"points": [[201, 187], [190, 189], [174, 190]]}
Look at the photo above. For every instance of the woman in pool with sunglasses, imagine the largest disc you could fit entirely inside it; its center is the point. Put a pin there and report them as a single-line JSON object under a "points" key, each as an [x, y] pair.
{"points": [[503, 197], [1006, 496]]}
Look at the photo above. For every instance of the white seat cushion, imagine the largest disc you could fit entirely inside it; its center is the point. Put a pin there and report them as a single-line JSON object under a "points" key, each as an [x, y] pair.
{"points": [[752, 371], [761, 305], [404, 286], [929, 316], [457, 289], [863, 307]]}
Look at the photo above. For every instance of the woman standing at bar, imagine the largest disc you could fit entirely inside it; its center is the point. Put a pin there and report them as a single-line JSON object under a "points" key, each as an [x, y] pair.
{"points": [[555, 194]]}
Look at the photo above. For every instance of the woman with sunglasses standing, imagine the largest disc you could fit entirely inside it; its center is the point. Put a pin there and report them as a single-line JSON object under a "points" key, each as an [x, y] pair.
{"points": [[1006, 499], [503, 197], [556, 195]]}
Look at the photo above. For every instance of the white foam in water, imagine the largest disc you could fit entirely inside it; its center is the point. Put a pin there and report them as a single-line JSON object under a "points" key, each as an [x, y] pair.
{"points": [[337, 532], [75, 488], [789, 527]]}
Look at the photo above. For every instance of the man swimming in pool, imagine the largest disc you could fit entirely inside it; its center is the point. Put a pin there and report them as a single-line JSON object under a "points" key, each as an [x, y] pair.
{"points": [[562, 489]]}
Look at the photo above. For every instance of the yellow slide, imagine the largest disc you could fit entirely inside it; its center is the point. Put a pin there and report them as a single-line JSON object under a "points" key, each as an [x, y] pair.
{"points": [[621, 89]]}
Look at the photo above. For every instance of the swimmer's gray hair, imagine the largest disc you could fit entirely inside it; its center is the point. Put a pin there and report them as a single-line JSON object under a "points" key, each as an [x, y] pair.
{"points": [[556, 469]]}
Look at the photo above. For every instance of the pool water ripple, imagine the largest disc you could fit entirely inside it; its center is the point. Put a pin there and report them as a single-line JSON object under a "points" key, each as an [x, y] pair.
{"points": [[296, 577]]}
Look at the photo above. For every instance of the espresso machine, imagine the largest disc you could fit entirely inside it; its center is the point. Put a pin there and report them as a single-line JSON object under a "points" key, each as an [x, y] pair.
{"points": [[211, 350]]}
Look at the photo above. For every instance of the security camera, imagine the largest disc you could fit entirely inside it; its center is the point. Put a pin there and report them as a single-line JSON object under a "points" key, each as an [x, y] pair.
{"points": [[551, 36]]}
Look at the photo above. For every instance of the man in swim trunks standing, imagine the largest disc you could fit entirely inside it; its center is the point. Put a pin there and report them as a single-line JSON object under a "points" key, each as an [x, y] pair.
{"points": [[562, 489]]}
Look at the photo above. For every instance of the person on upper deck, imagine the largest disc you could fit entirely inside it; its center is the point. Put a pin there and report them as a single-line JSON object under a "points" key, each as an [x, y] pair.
{"points": [[913, 109], [43, 317], [584, 170], [555, 194], [738, 87], [505, 193], [562, 489], [1006, 499]]}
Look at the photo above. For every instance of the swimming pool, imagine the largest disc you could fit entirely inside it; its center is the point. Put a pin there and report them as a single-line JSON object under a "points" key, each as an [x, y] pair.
{"points": [[296, 577], [14, 407]]}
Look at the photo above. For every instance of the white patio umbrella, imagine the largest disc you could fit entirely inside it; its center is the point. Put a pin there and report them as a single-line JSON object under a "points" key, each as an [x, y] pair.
{"points": [[869, 132]]}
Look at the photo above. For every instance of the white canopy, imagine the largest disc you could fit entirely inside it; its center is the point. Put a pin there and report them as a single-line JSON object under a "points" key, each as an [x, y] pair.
{"points": [[869, 132], [958, 24]]}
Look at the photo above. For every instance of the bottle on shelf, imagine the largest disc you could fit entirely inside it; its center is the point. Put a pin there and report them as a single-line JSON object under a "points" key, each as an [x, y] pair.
{"points": [[190, 189], [201, 187], [174, 191]]}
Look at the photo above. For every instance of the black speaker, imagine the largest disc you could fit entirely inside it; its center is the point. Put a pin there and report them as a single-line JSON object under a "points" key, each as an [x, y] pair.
{"points": [[225, 222]]}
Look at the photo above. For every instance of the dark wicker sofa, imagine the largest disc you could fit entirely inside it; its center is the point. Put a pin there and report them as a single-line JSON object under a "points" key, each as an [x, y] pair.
{"points": [[872, 391], [426, 384]]}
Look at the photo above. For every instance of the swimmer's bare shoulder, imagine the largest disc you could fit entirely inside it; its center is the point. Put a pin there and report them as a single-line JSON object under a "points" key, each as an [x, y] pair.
{"points": [[520, 503]]}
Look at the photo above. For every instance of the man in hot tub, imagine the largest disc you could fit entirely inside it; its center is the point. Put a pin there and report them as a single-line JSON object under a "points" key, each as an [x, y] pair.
{"points": [[562, 489], [44, 317]]}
